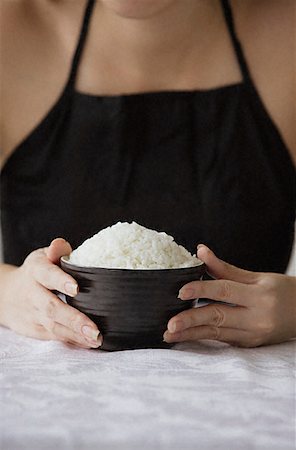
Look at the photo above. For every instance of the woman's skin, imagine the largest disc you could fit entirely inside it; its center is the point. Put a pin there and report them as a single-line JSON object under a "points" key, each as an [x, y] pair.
{"points": [[265, 311], [137, 46], [29, 308]]}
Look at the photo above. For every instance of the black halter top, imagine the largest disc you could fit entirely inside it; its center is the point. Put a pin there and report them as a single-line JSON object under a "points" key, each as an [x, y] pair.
{"points": [[204, 166]]}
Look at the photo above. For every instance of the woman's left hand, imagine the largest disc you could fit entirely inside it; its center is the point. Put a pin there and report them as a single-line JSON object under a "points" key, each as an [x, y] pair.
{"points": [[265, 311]]}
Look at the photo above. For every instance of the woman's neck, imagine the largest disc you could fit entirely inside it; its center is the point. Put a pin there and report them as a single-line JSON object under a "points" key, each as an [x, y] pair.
{"points": [[161, 44]]}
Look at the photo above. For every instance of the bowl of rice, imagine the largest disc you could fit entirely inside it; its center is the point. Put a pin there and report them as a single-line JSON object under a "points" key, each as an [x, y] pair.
{"points": [[129, 277]]}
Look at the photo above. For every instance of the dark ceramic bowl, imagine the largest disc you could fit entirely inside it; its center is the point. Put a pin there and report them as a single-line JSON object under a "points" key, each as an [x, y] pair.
{"points": [[131, 307]]}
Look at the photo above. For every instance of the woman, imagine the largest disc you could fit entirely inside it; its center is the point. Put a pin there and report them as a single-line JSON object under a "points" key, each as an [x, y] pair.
{"points": [[162, 117]]}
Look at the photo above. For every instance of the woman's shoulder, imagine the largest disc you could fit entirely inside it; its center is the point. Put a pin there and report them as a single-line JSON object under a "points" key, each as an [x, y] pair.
{"points": [[267, 9], [266, 29], [18, 10], [37, 37], [32, 26]]}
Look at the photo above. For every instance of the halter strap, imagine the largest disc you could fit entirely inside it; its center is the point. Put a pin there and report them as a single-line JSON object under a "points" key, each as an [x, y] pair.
{"points": [[235, 41], [80, 43]]}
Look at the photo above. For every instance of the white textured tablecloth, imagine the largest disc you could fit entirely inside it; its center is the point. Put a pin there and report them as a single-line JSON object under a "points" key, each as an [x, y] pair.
{"points": [[205, 395]]}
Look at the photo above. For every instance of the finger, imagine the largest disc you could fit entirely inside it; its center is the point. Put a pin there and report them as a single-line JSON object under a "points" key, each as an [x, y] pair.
{"points": [[40, 332], [229, 335], [221, 290], [49, 275], [212, 315], [58, 248], [220, 269], [65, 334], [51, 309], [75, 344], [37, 331]]}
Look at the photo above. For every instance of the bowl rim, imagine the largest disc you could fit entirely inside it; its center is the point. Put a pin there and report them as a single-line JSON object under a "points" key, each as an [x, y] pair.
{"points": [[65, 260]]}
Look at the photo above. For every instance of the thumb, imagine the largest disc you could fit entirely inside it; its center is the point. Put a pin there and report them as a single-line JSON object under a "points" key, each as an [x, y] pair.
{"points": [[221, 270], [58, 247]]}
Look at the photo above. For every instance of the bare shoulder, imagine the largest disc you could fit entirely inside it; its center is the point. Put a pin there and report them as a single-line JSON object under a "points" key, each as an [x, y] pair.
{"points": [[26, 12], [267, 31], [37, 41], [270, 21]]}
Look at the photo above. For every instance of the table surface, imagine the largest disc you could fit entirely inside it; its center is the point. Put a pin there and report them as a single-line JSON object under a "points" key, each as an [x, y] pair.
{"points": [[205, 395]]}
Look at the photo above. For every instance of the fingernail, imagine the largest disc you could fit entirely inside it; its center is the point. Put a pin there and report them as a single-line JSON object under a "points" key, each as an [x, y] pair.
{"points": [[71, 289], [200, 246], [186, 294], [168, 337], [90, 333], [176, 326], [97, 343]]}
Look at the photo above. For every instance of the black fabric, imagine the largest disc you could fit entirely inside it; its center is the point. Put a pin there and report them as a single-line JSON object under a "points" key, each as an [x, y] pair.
{"points": [[205, 166]]}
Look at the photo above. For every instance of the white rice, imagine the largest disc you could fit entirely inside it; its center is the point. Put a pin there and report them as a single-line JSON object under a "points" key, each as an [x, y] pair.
{"points": [[132, 246]]}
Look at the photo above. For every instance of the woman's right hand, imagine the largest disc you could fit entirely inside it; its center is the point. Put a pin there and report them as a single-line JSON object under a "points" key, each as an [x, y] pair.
{"points": [[31, 309]]}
